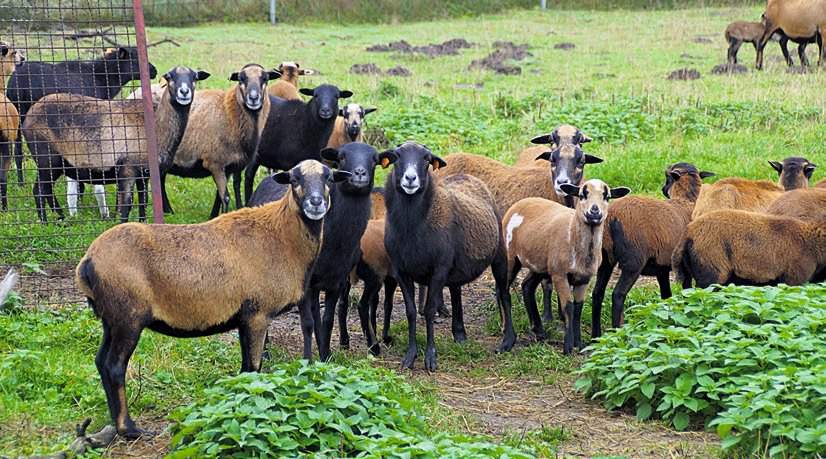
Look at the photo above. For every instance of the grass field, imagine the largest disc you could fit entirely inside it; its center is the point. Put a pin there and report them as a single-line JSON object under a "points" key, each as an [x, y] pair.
{"points": [[612, 85]]}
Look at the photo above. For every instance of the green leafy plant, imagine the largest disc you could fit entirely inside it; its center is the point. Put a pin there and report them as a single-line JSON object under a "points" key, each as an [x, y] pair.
{"points": [[317, 410], [749, 362]]}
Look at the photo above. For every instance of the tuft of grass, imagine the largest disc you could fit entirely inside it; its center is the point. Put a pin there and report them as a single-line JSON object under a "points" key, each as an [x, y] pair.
{"points": [[543, 442]]}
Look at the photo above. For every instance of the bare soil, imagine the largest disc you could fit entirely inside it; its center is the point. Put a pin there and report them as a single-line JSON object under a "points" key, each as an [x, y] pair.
{"points": [[447, 48], [724, 69], [498, 60], [684, 74]]}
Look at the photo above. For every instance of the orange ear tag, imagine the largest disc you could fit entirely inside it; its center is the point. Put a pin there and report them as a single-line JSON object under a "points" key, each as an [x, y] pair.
{"points": [[385, 162]]}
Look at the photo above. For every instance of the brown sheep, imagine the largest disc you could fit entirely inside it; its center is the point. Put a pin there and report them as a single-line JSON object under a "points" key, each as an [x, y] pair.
{"points": [[9, 117], [199, 279], [797, 19], [821, 184], [640, 235], [808, 204], [224, 132], [754, 195], [749, 248], [564, 133], [348, 127], [565, 244], [286, 87], [740, 32]]}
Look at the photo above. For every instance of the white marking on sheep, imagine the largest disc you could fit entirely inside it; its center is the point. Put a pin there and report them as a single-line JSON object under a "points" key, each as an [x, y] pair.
{"points": [[513, 223]]}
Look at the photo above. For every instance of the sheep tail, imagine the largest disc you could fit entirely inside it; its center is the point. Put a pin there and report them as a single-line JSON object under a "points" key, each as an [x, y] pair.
{"points": [[87, 279], [680, 262]]}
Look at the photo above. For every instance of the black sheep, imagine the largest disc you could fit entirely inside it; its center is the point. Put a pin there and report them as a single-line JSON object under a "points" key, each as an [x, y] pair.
{"points": [[101, 78], [441, 232], [295, 131]]}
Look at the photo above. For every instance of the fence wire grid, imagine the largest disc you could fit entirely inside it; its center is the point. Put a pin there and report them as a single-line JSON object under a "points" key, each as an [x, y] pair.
{"points": [[68, 67]]}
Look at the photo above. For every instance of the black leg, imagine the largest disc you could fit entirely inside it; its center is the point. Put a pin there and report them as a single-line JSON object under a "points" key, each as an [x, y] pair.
{"points": [[568, 342], [236, 188], [598, 296], [369, 297], [142, 186], [167, 206], [434, 297], [547, 301], [125, 197], [627, 279], [457, 324], [664, 280], [249, 178], [784, 47], [122, 342], [734, 46], [529, 286], [576, 325], [328, 320], [343, 309], [406, 284], [389, 291], [216, 206], [307, 325], [499, 267], [18, 153], [801, 52], [5, 163], [252, 333]]}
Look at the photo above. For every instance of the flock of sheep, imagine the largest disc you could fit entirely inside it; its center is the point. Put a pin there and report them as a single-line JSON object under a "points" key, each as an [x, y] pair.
{"points": [[320, 224]]}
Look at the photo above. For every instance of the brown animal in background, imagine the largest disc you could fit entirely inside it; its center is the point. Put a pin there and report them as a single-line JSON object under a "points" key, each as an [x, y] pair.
{"points": [[200, 279], [348, 127], [641, 234], [9, 117], [749, 248], [797, 19], [808, 204], [821, 184], [563, 134], [286, 87], [740, 32], [754, 195], [565, 244]]}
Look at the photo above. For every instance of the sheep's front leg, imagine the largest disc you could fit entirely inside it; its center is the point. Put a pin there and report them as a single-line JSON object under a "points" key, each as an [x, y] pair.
{"points": [[434, 298], [407, 287], [563, 289], [579, 300]]}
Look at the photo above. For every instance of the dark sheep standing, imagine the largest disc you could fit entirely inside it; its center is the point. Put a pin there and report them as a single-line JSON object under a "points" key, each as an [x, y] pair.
{"points": [[441, 232], [295, 131]]}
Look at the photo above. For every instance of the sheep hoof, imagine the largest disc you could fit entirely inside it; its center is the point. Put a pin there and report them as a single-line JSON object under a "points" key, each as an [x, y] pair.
{"points": [[375, 350], [134, 433], [409, 358], [388, 340], [443, 311], [460, 337], [430, 360]]}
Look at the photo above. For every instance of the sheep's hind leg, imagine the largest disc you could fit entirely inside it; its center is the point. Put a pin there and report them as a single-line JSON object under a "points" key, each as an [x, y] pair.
{"points": [[598, 296], [369, 297], [547, 301], [457, 325], [627, 279], [664, 280], [784, 47], [343, 310], [122, 340], [529, 285], [141, 185], [499, 267], [389, 291], [167, 206], [801, 52], [252, 333]]}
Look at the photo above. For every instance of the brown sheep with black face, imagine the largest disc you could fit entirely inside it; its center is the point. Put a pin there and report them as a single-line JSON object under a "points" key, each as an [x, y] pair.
{"points": [[740, 32], [234, 272], [800, 20], [749, 248], [564, 133], [808, 204], [640, 235], [754, 195], [9, 117]]}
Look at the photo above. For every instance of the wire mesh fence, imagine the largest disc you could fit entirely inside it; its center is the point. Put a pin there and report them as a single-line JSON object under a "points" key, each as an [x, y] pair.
{"points": [[73, 149]]}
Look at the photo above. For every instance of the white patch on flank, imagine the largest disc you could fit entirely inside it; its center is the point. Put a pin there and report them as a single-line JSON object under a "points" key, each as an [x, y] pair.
{"points": [[513, 223]]}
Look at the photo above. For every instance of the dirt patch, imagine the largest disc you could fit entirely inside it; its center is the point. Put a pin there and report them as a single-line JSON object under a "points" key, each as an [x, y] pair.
{"points": [[723, 69], [497, 61], [447, 48], [365, 69], [684, 74], [565, 46], [703, 40], [399, 71]]}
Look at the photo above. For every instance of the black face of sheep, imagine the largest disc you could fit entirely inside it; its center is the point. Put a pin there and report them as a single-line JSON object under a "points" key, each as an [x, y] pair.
{"points": [[677, 170], [795, 172], [567, 165], [252, 83], [325, 99], [593, 199], [353, 115], [309, 186], [411, 161], [180, 83], [126, 61], [360, 160]]}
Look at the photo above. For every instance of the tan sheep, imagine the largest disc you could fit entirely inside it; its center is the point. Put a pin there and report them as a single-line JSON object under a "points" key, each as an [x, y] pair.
{"points": [[286, 87], [797, 19], [565, 244], [234, 272], [9, 117], [808, 204], [349, 124], [749, 248], [740, 32], [821, 184]]}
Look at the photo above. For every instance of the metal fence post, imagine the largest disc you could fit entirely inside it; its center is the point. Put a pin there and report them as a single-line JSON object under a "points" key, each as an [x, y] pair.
{"points": [[543, 4], [272, 12]]}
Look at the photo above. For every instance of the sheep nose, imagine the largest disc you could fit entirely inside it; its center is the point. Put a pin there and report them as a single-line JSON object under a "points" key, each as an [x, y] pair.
{"points": [[253, 94], [316, 200], [184, 91], [410, 178], [325, 112], [360, 172]]}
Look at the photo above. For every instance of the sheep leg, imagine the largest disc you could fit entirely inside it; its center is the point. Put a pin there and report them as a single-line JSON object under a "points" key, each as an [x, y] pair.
{"points": [[627, 279], [761, 44], [547, 301], [112, 362], [5, 163], [252, 333], [167, 206], [389, 291], [343, 309], [529, 285], [434, 298], [579, 300], [249, 178], [236, 189], [457, 325], [18, 153], [221, 197], [72, 187], [801, 52], [784, 47], [821, 39], [563, 290], [733, 47], [141, 185], [598, 296], [331, 297], [125, 197], [307, 325], [499, 268], [43, 191], [100, 197], [664, 280], [318, 330], [406, 284], [370, 297]]}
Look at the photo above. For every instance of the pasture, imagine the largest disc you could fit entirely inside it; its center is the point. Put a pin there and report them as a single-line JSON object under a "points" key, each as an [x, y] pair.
{"points": [[605, 72]]}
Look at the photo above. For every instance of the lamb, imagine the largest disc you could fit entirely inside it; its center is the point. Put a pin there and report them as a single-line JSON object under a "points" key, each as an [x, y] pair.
{"points": [[102, 79], [753, 195], [777, 249], [9, 117], [99, 141], [224, 134], [565, 244], [808, 204], [295, 131], [199, 280], [740, 32], [440, 232], [286, 87], [563, 134], [797, 19], [640, 235], [348, 127]]}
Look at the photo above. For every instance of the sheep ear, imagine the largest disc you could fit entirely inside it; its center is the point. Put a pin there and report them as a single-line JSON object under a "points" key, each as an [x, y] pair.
{"points": [[4, 50], [123, 53], [675, 175], [306, 72], [273, 75], [436, 162], [340, 176], [546, 155], [388, 157], [541, 139], [168, 76], [706, 174], [619, 192], [809, 169], [777, 166], [570, 190], [233, 76], [345, 94], [370, 110], [330, 154], [583, 138], [591, 159], [341, 112], [201, 75], [307, 91], [282, 177]]}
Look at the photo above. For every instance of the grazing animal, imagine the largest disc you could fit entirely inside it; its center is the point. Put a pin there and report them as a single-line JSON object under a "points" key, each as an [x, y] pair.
{"points": [[740, 32], [295, 131], [797, 19], [348, 127], [286, 87], [565, 244], [807, 204], [754, 195], [199, 279], [224, 134], [640, 235], [750, 248], [99, 141], [101, 78], [9, 117], [440, 232]]}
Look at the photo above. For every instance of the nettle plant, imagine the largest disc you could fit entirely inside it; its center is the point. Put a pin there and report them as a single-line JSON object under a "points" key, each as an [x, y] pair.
{"points": [[748, 362]]}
